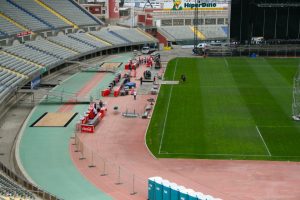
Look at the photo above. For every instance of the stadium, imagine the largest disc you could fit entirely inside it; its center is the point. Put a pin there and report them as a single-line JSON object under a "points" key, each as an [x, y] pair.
{"points": [[156, 99]]}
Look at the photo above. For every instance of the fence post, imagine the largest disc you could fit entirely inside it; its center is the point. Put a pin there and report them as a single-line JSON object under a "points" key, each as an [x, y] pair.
{"points": [[75, 139], [133, 192], [81, 152], [92, 161], [103, 172], [76, 145], [119, 176]]}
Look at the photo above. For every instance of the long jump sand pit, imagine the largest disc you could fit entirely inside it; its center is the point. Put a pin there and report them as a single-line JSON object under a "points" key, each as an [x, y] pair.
{"points": [[54, 119]]}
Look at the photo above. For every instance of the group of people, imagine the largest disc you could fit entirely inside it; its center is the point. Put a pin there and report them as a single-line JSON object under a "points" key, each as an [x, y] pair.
{"points": [[143, 60], [98, 108]]}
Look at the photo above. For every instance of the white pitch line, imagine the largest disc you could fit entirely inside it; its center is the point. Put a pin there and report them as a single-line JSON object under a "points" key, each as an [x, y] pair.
{"points": [[235, 86], [175, 69], [280, 126], [224, 154], [213, 154], [163, 133], [263, 141], [226, 62]]}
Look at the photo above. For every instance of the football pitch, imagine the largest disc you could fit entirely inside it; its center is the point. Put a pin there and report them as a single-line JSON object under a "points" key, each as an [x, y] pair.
{"points": [[228, 108]]}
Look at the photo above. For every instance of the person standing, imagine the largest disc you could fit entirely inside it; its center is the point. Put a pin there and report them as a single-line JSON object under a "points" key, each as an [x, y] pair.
{"points": [[100, 104], [183, 78], [141, 80], [134, 95]]}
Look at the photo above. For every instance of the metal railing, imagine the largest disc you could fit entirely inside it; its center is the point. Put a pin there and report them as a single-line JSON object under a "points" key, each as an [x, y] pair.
{"points": [[128, 181]]}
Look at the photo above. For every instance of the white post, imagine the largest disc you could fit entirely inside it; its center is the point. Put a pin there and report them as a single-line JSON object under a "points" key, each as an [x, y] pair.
{"points": [[133, 192], [119, 176]]}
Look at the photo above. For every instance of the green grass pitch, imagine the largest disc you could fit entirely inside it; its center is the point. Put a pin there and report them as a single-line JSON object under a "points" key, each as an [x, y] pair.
{"points": [[229, 108]]}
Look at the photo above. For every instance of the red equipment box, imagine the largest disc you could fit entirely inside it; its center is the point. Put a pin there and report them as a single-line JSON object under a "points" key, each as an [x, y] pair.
{"points": [[103, 111], [117, 91], [87, 128], [133, 73], [105, 92]]}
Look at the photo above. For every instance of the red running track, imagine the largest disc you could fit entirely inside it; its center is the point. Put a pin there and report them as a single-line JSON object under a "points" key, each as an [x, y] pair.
{"points": [[83, 91], [120, 141]]}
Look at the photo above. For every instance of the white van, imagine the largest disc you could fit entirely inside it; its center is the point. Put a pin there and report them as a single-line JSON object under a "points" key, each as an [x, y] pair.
{"points": [[147, 50], [202, 45]]}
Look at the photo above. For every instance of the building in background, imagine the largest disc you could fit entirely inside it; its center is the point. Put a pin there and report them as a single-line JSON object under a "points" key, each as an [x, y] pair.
{"points": [[106, 10], [157, 17], [171, 22]]}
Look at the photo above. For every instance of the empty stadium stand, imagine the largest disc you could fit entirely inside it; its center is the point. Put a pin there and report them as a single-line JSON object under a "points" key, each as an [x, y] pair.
{"points": [[181, 33], [33, 55], [14, 187], [8, 188], [214, 32], [51, 48], [71, 43], [129, 34], [26, 59], [22, 16], [23, 62], [177, 32], [17, 16], [108, 36], [113, 32], [8, 28], [73, 12], [9, 81], [33, 7], [87, 39], [20, 66]]}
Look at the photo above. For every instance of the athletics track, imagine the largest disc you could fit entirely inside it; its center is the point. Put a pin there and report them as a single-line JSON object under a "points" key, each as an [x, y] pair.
{"points": [[120, 143]]}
